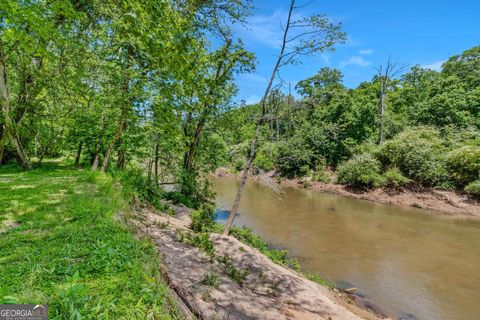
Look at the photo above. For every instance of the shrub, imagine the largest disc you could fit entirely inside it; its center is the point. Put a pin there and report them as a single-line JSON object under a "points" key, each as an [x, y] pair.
{"points": [[211, 280], [263, 162], [473, 188], [394, 178], [134, 182], [464, 163], [319, 174], [418, 153], [203, 219], [265, 157], [194, 190], [199, 240], [362, 171], [293, 159], [238, 154]]}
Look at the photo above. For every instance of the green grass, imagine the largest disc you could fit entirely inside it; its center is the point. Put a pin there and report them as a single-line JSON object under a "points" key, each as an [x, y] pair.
{"points": [[61, 245]]}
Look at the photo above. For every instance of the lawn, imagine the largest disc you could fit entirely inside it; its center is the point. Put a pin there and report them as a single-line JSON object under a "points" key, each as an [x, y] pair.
{"points": [[60, 244]]}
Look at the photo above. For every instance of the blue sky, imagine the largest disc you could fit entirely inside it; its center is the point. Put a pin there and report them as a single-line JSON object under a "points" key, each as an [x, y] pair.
{"points": [[424, 32]]}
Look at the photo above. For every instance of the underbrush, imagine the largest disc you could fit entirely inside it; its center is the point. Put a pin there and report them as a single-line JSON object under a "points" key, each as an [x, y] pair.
{"points": [[66, 249]]}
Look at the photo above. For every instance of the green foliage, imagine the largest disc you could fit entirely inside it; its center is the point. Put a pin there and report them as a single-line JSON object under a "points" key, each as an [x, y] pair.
{"points": [[237, 274], [418, 153], [319, 173], [246, 236], [199, 240], [473, 188], [265, 157], [194, 191], [293, 158], [395, 178], [431, 125], [65, 230], [361, 171], [210, 280], [464, 163], [135, 182], [203, 219]]}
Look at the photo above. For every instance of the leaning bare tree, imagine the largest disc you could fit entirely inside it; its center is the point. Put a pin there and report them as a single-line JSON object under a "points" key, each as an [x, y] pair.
{"points": [[385, 74], [301, 37]]}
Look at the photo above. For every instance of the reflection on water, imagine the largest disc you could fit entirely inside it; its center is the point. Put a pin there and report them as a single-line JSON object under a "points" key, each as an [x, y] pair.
{"points": [[408, 261]]}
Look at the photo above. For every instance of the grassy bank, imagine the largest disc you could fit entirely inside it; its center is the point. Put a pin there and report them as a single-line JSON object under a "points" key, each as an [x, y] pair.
{"points": [[62, 245]]}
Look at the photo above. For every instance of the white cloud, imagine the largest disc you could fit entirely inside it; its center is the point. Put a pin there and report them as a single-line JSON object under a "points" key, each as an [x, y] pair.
{"points": [[253, 77], [266, 29], [437, 66], [356, 61], [252, 99], [366, 52]]}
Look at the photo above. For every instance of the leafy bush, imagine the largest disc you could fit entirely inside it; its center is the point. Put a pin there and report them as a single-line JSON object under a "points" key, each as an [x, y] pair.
{"points": [[321, 176], [293, 158], [134, 181], [237, 155], [473, 188], [194, 190], [394, 178], [203, 219], [362, 171], [418, 153], [263, 162], [265, 157], [211, 280], [319, 173], [464, 163], [212, 152], [199, 240]]}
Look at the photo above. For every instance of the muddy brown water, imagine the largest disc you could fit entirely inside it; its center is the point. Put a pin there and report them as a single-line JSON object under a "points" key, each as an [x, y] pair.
{"points": [[412, 263]]}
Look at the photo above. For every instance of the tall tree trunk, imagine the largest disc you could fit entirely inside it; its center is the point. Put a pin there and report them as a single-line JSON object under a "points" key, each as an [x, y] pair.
{"points": [[2, 142], [96, 156], [259, 124], [79, 154], [150, 166], [9, 125], [157, 157], [192, 148], [121, 158], [121, 127]]}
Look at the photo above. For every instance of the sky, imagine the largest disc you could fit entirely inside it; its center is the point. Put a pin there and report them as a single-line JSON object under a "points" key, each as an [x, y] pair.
{"points": [[410, 32]]}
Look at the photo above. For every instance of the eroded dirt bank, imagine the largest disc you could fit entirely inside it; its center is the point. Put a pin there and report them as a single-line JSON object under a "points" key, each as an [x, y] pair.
{"points": [[443, 202], [268, 291]]}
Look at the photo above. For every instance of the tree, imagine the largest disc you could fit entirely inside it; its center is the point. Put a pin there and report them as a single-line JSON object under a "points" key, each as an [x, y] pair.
{"points": [[316, 34], [385, 75]]}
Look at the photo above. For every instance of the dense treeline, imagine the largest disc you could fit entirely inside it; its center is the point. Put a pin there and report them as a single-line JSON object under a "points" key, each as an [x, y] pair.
{"points": [[128, 84], [427, 135], [150, 84], [108, 83]]}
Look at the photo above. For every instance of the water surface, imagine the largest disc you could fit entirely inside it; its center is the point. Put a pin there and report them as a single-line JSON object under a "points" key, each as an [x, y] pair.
{"points": [[408, 261]]}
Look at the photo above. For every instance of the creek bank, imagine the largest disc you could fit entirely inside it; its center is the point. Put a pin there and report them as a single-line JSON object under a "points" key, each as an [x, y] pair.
{"points": [[210, 287], [444, 202]]}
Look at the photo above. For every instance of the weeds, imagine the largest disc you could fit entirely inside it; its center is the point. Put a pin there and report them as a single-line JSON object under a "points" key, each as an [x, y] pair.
{"points": [[211, 280], [70, 252], [236, 274]]}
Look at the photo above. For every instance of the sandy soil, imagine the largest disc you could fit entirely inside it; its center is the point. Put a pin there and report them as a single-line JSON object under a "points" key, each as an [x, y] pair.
{"points": [[269, 291], [443, 202]]}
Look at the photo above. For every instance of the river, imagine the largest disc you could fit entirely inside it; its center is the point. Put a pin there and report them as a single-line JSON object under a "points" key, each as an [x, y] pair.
{"points": [[411, 263]]}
